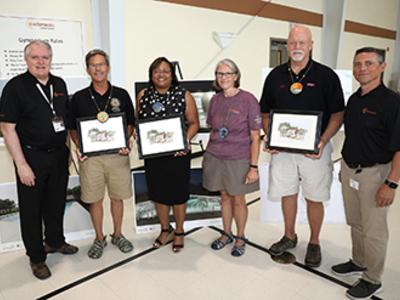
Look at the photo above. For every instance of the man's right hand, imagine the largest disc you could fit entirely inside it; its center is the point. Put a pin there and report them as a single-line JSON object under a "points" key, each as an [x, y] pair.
{"points": [[26, 175], [81, 157], [266, 149]]}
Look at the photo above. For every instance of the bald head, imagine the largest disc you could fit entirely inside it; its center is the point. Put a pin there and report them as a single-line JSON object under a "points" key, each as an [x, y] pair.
{"points": [[299, 44]]}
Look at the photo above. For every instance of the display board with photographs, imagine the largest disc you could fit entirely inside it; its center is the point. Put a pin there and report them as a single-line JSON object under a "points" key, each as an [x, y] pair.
{"points": [[77, 224], [203, 207]]}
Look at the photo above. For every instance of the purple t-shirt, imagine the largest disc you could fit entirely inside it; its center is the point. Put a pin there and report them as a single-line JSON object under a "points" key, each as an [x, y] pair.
{"points": [[238, 114]]}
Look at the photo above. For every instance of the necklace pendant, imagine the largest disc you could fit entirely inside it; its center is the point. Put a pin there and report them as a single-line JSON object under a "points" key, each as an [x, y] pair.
{"points": [[102, 117], [296, 88]]}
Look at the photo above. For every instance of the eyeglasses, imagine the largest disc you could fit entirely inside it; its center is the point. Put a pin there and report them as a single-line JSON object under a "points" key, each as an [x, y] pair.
{"points": [[159, 72], [100, 65], [227, 74]]}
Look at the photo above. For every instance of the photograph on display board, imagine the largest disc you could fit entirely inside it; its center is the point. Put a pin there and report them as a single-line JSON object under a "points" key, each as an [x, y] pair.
{"points": [[202, 92], [77, 224], [203, 207]]}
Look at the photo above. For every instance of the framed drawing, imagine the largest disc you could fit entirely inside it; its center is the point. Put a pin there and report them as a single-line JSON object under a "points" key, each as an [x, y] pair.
{"points": [[160, 137], [294, 131], [96, 138]]}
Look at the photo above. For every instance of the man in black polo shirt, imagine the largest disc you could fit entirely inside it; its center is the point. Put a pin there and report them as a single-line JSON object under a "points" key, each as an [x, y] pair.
{"points": [[100, 100], [302, 84], [32, 114], [370, 171]]}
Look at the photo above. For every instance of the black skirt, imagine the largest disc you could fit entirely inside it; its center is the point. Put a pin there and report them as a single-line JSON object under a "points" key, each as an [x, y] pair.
{"points": [[168, 179]]}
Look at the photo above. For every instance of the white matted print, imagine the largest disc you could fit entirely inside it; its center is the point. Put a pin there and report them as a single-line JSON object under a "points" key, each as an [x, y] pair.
{"points": [[107, 137], [294, 131], [161, 137]]}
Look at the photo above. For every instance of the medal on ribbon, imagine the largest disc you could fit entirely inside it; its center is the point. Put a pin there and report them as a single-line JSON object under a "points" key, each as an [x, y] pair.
{"points": [[102, 117]]}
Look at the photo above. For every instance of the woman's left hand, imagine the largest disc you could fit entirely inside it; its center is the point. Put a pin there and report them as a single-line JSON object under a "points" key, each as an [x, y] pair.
{"points": [[124, 151], [251, 176]]}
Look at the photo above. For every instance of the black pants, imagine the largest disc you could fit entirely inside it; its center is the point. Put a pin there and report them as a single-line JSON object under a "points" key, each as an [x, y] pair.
{"points": [[44, 203]]}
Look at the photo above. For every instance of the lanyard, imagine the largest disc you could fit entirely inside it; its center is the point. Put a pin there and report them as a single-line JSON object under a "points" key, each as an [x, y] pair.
{"points": [[49, 101]]}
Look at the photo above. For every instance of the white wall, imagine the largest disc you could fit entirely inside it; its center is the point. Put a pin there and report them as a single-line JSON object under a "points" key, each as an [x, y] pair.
{"points": [[310, 5], [57, 9], [184, 33]]}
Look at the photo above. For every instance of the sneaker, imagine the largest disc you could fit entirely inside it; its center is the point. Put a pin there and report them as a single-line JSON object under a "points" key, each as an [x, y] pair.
{"points": [[222, 241], [313, 256], [363, 290], [96, 250], [40, 270], [284, 244], [122, 243], [63, 249], [347, 269]]}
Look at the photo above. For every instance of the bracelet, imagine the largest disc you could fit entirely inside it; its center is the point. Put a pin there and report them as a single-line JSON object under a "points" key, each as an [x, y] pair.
{"points": [[253, 166]]}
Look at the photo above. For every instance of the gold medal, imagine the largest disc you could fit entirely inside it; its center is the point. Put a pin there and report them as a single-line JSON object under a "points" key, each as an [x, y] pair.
{"points": [[102, 117], [296, 88]]}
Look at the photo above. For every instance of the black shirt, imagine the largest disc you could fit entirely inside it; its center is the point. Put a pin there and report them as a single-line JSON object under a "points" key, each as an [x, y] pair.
{"points": [[23, 104], [82, 105], [322, 91], [372, 126]]}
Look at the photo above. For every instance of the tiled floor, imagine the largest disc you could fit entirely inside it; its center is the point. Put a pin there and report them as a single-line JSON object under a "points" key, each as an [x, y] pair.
{"points": [[198, 272]]}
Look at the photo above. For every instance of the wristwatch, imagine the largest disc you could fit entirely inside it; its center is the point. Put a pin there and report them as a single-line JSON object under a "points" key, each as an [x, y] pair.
{"points": [[391, 184]]}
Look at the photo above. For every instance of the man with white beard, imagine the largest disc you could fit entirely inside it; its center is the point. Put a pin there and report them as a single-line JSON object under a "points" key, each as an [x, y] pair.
{"points": [[302, 84]]}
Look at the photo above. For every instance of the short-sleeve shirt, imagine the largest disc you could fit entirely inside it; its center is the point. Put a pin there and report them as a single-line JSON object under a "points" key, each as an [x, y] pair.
{"points": [[372, 126], [239, 114], [23, 104], [322, 90], [158, 106], [83, 105]]}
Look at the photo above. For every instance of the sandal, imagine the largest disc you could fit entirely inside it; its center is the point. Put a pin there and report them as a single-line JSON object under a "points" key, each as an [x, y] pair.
{"points": [[178, 247], [218, 244], [158, 243], [122, 243], [238, 250], [96, 250]]}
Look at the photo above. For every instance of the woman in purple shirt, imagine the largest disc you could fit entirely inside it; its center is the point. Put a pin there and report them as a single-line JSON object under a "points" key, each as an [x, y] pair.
{"points": [[230, 162]]}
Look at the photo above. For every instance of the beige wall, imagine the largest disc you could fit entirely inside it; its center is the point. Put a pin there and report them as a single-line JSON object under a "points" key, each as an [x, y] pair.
{"points": [[310, 5], [373, 12]]}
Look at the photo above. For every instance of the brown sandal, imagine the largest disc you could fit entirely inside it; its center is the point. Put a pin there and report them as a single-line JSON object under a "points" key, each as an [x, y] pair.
{"points": [[158, 243], [178, 247]]}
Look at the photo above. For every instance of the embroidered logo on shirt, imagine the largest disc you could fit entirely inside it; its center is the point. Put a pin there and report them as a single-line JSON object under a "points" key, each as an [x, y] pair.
{"points": [[234, 111], [310, 84], [58, 94], [365, 110]]}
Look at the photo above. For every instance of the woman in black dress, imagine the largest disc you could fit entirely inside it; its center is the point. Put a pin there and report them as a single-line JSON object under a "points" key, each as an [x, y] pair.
{"points": [[168, 177]]}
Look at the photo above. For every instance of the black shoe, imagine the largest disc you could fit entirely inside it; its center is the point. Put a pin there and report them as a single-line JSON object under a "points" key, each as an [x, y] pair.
{"points": [[347, 269], [63, 249], [284, 244], [363, 290], [313, 256], [40, 270]]}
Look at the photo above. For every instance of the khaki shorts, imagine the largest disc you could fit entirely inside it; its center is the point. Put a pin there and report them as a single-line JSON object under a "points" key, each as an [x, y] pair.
{"points": [[227, 175], [111, 170], [289, 171]]}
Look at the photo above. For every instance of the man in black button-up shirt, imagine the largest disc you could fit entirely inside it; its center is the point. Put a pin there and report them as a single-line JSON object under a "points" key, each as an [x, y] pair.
{"points": [[32, 115], [370, 171]]}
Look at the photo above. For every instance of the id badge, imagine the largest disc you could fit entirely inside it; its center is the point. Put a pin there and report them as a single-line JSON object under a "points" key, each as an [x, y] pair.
{"points": [[58, 124], [354, 184]]}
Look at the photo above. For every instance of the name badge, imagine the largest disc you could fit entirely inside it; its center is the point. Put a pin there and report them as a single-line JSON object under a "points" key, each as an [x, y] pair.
{"points": [[58, 124], [354, 184]]}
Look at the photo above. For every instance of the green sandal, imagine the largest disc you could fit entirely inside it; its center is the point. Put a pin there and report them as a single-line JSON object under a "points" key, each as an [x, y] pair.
{"points": [[122, 243], [96, 250]]}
